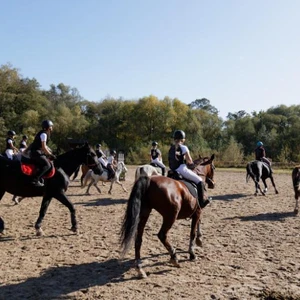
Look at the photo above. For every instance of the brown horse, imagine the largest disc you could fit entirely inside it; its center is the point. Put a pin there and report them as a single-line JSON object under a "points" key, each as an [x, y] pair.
{"points": [[296, 185], [172, 199]]}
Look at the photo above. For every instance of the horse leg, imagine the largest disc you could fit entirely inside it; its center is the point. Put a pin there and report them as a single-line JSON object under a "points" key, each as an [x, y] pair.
{"points": [[194, 226], [111, 185], [145, 213], [63, 199], [121, 184], [265, 184], [44, 206], [163, 236], [296, 210], [199, 235], [273, 183]]}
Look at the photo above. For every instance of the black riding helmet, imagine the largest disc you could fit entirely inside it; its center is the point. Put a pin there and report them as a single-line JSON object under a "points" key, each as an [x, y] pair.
{"points": [[179, 135], [11, 133], [25, 137], [46, 124], [154, 143], [98, 145], [112, 152]]}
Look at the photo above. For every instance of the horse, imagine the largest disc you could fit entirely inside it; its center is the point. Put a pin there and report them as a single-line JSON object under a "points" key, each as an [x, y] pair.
{"points": [[172, 200], [146, 170], [90, 175], [15, 182], [296, 186], [259, 170]]}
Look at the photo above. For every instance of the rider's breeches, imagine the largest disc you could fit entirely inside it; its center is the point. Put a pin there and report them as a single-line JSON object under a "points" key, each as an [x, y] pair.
{"points": [[9, 153], [188, 174], [42, 163], [264, 159], [159, 163]]}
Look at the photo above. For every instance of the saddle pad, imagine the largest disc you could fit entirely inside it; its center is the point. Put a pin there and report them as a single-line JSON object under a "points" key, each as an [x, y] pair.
{"points": [[30, 169], [191, 187]]}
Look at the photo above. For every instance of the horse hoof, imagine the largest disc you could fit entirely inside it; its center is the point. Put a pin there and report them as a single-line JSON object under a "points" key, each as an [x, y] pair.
{"points": [[276, 192], [74, 229], [174, 262], [192, 257], [141, 274], [296, 211], [39, 232], [199, 243]]}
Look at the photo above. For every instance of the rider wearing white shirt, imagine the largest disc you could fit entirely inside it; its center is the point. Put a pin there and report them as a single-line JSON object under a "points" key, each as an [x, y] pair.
{"points": [[179, 155], [156, 158], [10, 148], [39, 151]]}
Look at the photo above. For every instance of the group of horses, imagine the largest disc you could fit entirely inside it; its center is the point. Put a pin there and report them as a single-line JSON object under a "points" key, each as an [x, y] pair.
{"points": [[172, 199]]}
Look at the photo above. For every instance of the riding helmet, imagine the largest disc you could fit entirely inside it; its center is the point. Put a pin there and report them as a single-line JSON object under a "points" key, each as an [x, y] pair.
{"points": [[25, 137], [179, 135], [112, 152], [259, 144], [98, 145], [154, 143], [46, 124], [11, 133]]}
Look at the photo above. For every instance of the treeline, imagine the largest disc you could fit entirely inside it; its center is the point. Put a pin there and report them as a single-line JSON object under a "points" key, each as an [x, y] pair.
{"points": [[131, 125]]}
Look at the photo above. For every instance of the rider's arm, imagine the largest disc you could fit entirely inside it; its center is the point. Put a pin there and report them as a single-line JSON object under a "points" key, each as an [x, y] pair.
{"points": [[45, 148]]}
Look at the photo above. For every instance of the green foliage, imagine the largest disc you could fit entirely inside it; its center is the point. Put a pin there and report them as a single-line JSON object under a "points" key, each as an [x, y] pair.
{"points": [[130, 125]]}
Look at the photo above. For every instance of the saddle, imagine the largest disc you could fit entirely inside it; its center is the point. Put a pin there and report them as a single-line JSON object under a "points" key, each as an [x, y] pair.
{"points": [[192, 187], [30, 169]]}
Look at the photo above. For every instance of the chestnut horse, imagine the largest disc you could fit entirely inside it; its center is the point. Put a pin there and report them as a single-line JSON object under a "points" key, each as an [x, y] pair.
{"points": [[296, 186], [170, 198]]}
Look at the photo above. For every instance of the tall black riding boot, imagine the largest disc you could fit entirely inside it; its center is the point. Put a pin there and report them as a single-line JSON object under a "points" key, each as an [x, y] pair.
{"points": [[163, 171], [201, 201]]}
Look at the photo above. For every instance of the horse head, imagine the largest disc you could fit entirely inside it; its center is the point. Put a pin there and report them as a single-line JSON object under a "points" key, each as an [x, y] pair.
{"points": [[205, 167]]}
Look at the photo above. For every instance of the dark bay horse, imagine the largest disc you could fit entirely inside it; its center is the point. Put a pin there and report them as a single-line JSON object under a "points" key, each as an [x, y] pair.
{"points": [[296, 186], [13, 181], [259, 170], [170, 198]]}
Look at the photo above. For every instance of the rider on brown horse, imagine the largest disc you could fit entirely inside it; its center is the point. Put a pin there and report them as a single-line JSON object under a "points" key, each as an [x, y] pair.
{"points": [[179, 154]]}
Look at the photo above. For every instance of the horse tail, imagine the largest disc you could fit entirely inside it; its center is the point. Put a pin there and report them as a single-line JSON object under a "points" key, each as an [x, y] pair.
{"points": [[86, 178], [132, 214], [137, 173]]}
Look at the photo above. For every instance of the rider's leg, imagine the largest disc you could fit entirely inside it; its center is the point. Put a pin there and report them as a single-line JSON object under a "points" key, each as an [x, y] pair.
{"points": [[200, 189], [44, 166]]}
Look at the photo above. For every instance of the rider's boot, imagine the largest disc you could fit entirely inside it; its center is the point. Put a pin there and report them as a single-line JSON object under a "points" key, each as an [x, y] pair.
{"points": [[201, 201], [163, 171], [37, 180]]}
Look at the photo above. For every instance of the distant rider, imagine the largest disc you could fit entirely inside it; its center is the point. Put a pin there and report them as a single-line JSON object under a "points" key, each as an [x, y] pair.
{"points": [[156, 157], [10, 149], [179, 155], [112, 164], [260, 154], [23, 143]]}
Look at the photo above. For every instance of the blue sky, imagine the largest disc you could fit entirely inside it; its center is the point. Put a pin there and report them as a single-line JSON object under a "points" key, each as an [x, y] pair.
{"points": [[239, 54]]}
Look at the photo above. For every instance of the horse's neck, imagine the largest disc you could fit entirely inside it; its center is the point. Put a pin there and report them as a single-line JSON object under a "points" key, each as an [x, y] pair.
{"points": [[68, 164]]}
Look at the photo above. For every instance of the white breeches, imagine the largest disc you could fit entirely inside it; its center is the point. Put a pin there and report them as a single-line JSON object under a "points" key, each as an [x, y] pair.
{"points": [[188, 174], [158, 162], [9, 153]]}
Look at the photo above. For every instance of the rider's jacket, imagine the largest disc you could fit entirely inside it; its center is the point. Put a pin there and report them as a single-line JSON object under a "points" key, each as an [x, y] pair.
{"points": [[155, 153], [260, 153], [176, 158], [8, 146], [37, 143]]}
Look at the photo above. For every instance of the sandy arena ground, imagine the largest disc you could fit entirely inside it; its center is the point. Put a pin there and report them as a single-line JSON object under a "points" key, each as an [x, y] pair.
{"points": [[251, 247]]}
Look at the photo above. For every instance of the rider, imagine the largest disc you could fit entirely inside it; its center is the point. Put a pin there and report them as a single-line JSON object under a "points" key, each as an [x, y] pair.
{"points": [[23, 143], [39, 151], [260, 154], [10, 149], [156, 158], [179, 155], [112, 164], [101, 156]]}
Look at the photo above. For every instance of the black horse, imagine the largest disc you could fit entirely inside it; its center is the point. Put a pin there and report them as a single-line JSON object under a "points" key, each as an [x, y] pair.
{"points": [[13, 181], [259, 170]]}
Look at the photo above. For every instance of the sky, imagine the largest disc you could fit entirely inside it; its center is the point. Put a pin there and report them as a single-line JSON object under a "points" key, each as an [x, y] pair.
{"points": [[238, 54]]}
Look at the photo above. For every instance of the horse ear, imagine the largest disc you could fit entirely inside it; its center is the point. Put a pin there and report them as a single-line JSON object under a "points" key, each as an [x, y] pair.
{"points": [[212, 157]]}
